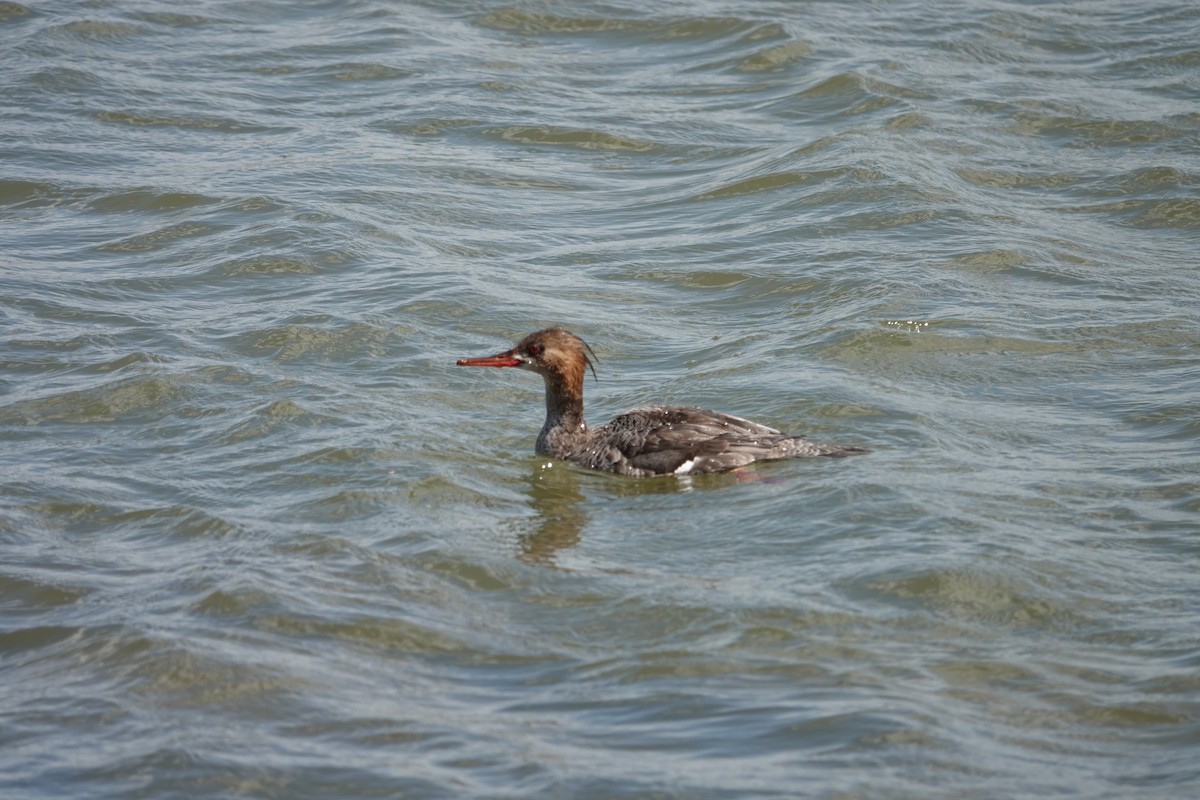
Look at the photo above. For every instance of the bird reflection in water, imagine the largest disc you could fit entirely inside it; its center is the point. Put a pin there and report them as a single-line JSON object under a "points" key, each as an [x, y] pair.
{"points": [[555, 497], [561, 514]]}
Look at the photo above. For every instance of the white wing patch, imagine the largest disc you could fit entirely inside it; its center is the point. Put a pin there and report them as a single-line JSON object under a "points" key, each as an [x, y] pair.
{"points": [[685, 467]]}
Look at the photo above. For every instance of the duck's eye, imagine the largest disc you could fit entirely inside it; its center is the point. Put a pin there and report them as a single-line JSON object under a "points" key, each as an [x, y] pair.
{"points": [[534, 350]]}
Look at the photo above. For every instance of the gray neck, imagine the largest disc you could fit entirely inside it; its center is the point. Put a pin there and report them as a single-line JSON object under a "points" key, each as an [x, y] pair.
{"points": [[564, 429]]}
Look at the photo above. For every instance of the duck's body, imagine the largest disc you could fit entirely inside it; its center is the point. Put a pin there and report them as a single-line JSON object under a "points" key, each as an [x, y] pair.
{"points": [[645, 441]]}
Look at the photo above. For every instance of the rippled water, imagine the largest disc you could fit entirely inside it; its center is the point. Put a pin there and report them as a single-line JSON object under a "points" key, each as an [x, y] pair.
{"points": [[262, 539]]}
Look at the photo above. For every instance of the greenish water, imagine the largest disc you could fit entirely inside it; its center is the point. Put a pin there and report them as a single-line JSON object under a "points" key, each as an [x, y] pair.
{"points": [[260, 537]]}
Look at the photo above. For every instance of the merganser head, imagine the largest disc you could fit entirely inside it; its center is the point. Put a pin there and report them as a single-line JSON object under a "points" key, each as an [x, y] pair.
{"points": [[553, 352]]}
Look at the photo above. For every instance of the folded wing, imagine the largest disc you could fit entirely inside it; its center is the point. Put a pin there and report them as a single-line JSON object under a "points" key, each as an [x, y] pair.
{"points": [[661, 440]]}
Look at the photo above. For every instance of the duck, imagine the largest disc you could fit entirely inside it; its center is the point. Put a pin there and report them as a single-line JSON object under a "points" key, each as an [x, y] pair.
{"points": [[647, 441]]}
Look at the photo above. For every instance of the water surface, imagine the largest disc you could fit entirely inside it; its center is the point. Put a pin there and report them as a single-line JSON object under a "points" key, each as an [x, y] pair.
{"points": [[262, 539]]}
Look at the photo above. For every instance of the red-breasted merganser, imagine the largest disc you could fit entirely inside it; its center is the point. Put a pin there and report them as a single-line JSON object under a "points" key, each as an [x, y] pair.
{"points": [[645, 441]]}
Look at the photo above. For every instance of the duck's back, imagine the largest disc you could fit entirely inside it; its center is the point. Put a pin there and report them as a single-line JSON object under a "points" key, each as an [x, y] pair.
{"points": [[681, 440]]}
